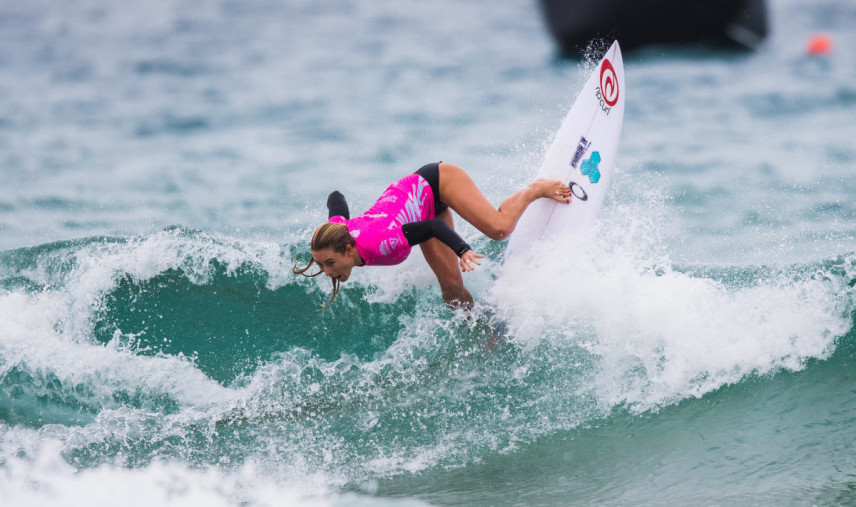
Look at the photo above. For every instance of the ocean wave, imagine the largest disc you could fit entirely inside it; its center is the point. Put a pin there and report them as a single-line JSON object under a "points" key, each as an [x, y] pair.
{"points": [[199, 347]]}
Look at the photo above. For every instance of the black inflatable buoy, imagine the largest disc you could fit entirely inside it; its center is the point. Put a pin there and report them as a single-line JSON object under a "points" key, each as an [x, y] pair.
{"points": [[575, 23]]}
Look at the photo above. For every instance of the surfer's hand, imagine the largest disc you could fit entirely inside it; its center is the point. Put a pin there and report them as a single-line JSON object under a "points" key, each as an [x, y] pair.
{"points": [[468, 259]]}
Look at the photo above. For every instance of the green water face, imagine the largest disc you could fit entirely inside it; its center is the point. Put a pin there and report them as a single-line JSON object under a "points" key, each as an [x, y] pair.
{"points": [[233, 322]]}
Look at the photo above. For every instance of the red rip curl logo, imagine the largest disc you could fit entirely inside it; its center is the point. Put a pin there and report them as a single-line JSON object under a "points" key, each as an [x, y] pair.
{"points": [[608, 83]]}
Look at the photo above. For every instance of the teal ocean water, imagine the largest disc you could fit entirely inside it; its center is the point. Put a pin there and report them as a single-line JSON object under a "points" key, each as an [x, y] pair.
{"points": [[164, 163]]}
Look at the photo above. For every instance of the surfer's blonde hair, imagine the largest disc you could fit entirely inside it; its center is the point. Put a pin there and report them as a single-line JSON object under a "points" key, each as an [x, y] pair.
{"points": [[329, 235]]}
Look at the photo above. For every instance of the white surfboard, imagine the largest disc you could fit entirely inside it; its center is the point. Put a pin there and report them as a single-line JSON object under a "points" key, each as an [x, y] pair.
{"points": [[582, 155]]}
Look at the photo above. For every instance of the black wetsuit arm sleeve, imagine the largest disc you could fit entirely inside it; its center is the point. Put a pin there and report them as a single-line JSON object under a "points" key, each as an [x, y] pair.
{"points": [[337, 205], [419, 232]]}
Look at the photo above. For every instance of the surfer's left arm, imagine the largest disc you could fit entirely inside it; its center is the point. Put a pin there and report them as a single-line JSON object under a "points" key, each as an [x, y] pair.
{"points": [[419, 232], [337, 205]]}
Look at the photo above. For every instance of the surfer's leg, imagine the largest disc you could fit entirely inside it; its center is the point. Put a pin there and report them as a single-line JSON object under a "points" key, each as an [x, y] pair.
{"points": [[459, 192], [444, 263]]}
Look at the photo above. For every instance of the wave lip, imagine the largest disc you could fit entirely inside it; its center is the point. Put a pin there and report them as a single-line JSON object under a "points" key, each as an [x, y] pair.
{"points": [[52, 305]]}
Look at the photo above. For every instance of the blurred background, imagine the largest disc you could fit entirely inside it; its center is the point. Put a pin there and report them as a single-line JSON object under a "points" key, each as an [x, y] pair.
{"points": [[121, 119]]}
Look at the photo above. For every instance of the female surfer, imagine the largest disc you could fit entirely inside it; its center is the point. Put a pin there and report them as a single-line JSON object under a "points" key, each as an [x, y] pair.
{"points": [[415, 211]]}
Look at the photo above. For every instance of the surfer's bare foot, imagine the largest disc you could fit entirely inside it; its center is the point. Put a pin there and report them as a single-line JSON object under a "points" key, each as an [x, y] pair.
{"points": [[553, 189]]}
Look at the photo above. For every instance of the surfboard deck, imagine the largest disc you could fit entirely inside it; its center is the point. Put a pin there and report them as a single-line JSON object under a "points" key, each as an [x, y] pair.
{"points": [[582, 155]]}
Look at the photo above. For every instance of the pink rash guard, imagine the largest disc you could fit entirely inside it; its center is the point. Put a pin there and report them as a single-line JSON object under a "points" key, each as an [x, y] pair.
{"points": [[377, 232]]}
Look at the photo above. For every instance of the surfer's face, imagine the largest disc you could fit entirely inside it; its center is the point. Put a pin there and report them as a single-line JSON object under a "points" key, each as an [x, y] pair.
{"points": [[337, 266]]}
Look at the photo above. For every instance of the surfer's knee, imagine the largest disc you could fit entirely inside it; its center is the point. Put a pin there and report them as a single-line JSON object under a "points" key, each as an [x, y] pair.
{"points": [[499, 231]]}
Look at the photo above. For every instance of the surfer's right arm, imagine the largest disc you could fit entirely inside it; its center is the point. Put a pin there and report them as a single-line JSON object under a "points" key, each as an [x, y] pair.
{"points": [[419, 232]]}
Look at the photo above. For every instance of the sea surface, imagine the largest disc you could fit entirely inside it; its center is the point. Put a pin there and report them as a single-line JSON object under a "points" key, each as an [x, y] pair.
{"points": [[164, 163]]}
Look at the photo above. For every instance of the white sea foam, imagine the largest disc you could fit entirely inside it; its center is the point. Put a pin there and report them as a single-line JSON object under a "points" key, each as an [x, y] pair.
{"points": [[46, 479], [660, 335]]}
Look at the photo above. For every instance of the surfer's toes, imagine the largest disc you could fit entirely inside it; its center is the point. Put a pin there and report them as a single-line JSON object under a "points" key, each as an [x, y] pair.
{"points": [[554, 189]]}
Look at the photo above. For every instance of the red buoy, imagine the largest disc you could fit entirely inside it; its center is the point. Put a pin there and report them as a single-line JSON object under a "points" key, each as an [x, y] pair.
{"points": [[819, 44]]}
